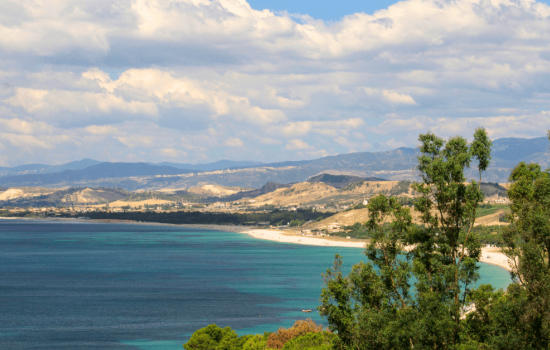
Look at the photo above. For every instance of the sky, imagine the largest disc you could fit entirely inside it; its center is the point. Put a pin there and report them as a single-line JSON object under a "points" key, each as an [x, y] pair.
{"points": [[195, 81]]}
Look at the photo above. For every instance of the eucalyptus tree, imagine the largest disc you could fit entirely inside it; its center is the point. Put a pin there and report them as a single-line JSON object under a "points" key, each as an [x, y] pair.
{"points": [[411, 292], [527, 242]]}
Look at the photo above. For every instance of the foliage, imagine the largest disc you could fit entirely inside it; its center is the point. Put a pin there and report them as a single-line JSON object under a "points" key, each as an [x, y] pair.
{"points": [[400, 187], [295, 223], [215, 338], [303, 335], [196, 217], [353, 185], [357, 230], [311, 341], [277, 340], [487, 234], [488, 209], [491, 188], [376, 306], [527, 242]]}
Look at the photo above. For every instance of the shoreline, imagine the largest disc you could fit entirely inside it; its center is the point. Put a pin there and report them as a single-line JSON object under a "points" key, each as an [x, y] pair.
{"points": [[491, 256]]}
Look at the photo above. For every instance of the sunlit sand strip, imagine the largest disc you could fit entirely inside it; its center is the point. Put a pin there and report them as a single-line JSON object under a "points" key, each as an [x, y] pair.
{"points": [[489, 255]]}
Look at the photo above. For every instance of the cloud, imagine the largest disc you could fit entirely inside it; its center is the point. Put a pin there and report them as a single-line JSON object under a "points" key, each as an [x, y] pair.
{"points": [[136, 141], [297, 144], [25, 127], [172, 153], [102, 130], [48, 102], [93, 79], [324, 127], [234, 142], [389, 96]]}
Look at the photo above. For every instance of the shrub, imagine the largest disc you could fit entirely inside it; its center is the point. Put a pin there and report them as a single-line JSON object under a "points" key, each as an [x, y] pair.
{"points": [[278, 339]]}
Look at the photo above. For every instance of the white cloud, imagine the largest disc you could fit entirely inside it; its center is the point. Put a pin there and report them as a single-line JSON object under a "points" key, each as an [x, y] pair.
{"points": [[234, 142], [102, 129], [217, 68], [25, 127], [389, 96], [136, 141], [172, 153], [297, 144]]}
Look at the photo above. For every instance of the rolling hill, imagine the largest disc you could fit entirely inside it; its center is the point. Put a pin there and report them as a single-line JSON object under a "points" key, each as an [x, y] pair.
{"points": [[398, 164]]}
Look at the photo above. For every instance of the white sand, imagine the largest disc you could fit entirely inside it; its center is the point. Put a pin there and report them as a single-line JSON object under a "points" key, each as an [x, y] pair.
{"points": [[489, 255], [278, 236], [493, 256]]}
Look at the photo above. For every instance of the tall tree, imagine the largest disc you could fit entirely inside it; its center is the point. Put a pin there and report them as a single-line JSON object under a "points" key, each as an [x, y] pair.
{"points": [[446, 251], [527, 242], [375, 306]]}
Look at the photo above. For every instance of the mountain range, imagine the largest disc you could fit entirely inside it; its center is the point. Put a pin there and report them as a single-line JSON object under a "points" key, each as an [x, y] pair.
{"points": [[397, 164]]}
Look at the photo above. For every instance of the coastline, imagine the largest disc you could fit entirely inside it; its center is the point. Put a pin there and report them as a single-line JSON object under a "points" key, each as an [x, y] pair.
{"points": [[490, 256]]}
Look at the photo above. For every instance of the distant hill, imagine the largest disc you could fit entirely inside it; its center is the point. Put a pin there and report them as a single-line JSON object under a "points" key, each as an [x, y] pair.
{"points": [[85, 163], [398, 164], [490, 189], [40, 197], [44, 169], [517, 150], [95, 172], [340, 181], [219, 165]]}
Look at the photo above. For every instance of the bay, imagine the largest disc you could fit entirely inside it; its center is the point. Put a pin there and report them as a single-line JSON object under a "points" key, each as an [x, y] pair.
{"points": [[113, 286]]}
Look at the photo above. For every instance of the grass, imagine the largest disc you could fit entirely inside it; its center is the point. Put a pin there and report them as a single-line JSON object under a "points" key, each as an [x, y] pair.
{"points": [[488, 209]]}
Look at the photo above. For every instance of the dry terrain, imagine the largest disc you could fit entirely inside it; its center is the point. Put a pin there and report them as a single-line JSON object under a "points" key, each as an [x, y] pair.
{"points": [[491, 219], [216, 190], [134, 204], [321, 194], [25, 192], [88, 195]]}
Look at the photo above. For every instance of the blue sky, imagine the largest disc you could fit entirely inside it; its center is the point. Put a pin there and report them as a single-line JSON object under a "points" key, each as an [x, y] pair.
{"points": [[196, 81], [325, 10]]}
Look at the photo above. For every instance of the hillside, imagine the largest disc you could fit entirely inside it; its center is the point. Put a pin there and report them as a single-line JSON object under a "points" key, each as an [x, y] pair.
{"points": [[267, 188], [217, 190], [340, 181], [40, 197], [95, 172], [18, 193], [398, 164], [322, 195]]}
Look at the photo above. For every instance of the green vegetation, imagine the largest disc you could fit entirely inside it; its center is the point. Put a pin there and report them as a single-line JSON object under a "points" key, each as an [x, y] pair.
{"points": [[401, 187], [422, 298], [488, 209], [488, 234], [357, 230], [491, 188], [210, 218], [304, 335], [353, 185], [412, 299]]}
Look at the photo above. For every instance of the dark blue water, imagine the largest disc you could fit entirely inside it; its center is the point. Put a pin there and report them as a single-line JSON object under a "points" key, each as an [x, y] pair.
{"points": [[108, 286]]}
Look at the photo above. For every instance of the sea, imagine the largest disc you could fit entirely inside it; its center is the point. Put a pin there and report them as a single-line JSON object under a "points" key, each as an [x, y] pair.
{"points": [[80, 285]]}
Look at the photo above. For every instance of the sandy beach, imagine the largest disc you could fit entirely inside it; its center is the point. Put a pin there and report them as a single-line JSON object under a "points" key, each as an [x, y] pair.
{"points": [[491, 256]]}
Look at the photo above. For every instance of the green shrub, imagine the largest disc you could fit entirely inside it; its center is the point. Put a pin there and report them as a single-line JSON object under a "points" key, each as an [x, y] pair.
{"points": [[311, 341], [213, 337]]}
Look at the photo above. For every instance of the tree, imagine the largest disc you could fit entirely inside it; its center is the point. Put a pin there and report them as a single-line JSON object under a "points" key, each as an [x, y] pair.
{"points": [[375, 306], [527, 242], [213, 337]]}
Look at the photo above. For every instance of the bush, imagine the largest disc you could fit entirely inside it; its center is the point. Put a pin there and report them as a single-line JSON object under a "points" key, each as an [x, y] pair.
{"points": [[215, 338], [311, 341], [278, 339]]}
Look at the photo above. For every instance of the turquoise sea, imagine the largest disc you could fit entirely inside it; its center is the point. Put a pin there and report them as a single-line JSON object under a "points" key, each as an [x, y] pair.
{"points": [[115, 286]]}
